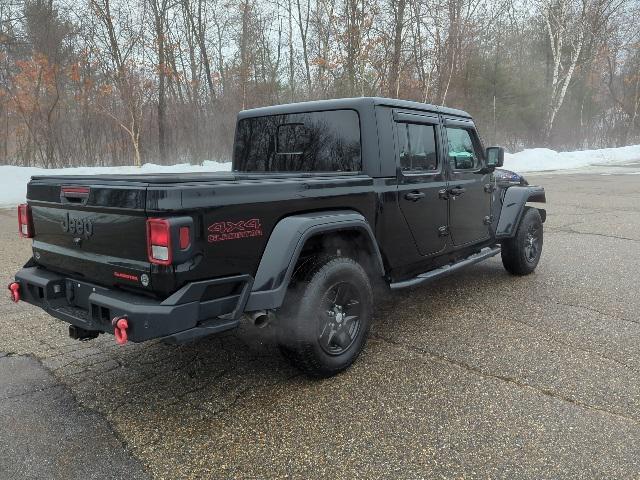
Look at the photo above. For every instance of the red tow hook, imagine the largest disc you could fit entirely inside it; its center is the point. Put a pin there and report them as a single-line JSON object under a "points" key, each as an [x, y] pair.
{"points": [[14, 288], [120, 325]]}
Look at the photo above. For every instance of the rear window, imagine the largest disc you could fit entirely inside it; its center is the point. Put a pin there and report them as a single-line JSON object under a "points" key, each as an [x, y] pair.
{"points": [[299, 142]]}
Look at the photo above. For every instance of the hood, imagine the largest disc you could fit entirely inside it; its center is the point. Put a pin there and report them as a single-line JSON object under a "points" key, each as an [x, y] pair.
{"points": [[508, 178]]}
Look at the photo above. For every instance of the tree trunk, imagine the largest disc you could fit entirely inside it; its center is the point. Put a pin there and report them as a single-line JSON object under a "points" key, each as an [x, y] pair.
{"points": [[160, 12], [291, 66], [394, 72], [244, 60], [304, 28]]}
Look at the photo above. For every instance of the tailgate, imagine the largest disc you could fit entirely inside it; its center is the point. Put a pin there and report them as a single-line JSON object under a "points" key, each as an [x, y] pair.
{"points": [[93, 229]]}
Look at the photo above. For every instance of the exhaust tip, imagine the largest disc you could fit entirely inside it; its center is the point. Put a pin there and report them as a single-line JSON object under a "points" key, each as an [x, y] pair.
{"points": [[260, 319]]}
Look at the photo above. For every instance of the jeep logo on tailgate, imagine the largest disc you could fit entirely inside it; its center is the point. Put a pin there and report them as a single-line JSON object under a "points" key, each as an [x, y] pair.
{"points": [[77, 226]]}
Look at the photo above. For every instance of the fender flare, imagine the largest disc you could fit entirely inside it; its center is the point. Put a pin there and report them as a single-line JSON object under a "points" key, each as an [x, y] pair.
{"points": [[285, 245], [513, 204]]}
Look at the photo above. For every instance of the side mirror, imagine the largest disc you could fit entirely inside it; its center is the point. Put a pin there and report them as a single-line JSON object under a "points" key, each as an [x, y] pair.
{"points": [[495, 157]]}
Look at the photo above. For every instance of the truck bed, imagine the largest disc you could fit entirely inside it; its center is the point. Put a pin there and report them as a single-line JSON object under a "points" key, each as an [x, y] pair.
{"points": [[117, 207]]}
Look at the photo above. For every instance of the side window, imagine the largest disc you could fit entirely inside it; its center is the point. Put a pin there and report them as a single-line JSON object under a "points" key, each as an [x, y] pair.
{"points": [[417, 145], [462, 151], [327, 141]]}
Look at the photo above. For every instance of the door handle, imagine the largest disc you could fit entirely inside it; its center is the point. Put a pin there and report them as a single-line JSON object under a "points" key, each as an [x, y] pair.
{"points": [[414, 196], [457, 191]]}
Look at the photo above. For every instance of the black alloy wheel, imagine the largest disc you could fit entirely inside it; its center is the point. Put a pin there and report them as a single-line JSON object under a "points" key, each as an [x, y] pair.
{"points": [[339, 318], [532, 243], [521, 254], [325, 321]]}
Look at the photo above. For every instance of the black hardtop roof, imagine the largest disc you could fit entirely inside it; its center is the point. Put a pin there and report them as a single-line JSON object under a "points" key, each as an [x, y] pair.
{"points": [[355, 103]]}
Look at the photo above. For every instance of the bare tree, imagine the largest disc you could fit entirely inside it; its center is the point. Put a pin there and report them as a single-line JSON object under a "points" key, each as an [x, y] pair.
{"points": [[397, 10], [170, 75], [303, 18], [118, 49], [565, 21]]}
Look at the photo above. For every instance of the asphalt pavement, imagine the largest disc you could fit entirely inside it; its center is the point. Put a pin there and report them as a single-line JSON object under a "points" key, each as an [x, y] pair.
{"points": [[479, 375], [47, 435]]}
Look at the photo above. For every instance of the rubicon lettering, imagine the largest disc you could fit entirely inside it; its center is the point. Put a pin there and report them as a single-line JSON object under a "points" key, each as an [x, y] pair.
{"points": [[221, 231]]}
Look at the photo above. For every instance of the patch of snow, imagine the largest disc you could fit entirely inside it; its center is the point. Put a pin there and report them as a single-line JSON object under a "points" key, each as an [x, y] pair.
{"points": [[544, 159], [13, 180]]}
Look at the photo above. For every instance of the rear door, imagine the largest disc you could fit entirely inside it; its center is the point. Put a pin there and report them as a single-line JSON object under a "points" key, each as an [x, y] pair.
{"points": [[469, 199], [422, 180]]}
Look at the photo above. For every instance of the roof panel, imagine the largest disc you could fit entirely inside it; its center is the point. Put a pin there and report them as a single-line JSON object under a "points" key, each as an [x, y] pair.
{"points": [[356, 103]]}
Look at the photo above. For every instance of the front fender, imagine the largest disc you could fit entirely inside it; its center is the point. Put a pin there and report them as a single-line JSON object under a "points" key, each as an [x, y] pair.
{"points": [[513, 203], [285, 244]]}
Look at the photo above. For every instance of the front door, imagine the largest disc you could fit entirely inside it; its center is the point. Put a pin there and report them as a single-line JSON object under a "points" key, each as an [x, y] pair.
{"points": [[422, 180], [469, 197]]}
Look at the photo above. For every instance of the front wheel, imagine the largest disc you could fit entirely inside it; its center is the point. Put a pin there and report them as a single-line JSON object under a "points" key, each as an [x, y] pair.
{"points": [[325, 326], [521, 254]]}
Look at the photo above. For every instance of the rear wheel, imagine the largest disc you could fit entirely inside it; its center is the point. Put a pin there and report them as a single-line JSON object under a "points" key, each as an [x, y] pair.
{"points": [[521, 254], [325, 324]]}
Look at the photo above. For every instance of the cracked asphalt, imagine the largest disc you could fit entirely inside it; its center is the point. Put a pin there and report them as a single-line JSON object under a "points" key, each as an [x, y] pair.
{"points": [[478, 375]]}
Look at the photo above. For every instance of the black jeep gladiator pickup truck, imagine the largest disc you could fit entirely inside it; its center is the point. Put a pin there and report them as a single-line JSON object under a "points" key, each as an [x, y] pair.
{"points": [[326, 200]]}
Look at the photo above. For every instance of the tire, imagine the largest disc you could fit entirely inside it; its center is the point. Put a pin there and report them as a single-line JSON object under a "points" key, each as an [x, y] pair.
{"points": [[325, 322], [521, 254]]}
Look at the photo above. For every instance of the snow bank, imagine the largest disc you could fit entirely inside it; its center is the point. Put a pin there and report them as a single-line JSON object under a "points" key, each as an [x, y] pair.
{"points": [[13, 180], [543, 159]]}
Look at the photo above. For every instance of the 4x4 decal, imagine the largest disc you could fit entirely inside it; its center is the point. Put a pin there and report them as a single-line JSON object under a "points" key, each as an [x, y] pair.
{"points": [[221, 231]]}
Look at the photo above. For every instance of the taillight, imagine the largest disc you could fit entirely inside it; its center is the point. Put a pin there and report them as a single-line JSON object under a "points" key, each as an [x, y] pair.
{"points": [[25, 222], [159, 241]]}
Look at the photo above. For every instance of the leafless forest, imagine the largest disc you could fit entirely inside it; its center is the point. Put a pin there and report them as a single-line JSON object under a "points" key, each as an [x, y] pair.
{"points": [[113, 82]]}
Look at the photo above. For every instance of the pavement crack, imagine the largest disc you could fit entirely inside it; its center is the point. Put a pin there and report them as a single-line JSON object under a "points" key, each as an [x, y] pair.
{"points": [[551, 338], [590, 309], [240, 394], [507, 379], [158, 372], [77, 360], [179, 397], [30, 392], [597, 234]]}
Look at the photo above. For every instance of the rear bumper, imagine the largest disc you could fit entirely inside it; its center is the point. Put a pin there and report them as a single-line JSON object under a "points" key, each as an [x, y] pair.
{"points": [[188, 313]]}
